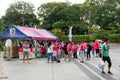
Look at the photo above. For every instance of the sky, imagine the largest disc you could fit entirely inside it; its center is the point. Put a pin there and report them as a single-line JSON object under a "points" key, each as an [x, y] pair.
{"points": [[4, 4]]}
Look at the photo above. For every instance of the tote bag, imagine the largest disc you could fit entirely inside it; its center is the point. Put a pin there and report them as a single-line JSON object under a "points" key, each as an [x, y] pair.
{"points": [[101, 64]]}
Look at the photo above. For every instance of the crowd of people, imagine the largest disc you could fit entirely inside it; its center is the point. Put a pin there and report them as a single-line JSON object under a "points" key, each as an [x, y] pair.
{"points": [[54, 51], [68, 50]]}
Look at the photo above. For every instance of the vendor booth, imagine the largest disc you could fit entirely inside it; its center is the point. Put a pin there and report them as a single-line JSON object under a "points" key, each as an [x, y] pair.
{"points": [[25, 33]]}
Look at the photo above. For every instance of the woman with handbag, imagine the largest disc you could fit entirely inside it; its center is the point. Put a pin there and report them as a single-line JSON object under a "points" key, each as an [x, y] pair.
{"points": [[105, 55]]}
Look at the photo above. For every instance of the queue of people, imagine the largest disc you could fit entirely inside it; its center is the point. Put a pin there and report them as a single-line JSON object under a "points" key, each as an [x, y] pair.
{"points": [[68, 50], [54, 51]]}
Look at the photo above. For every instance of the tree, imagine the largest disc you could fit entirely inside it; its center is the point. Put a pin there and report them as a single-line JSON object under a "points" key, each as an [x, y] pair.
{"points": [[104, 16], [58, 32], [1, 24], [20, 13], [61, 15], [48, 13], [102, 12], [117, 19]]}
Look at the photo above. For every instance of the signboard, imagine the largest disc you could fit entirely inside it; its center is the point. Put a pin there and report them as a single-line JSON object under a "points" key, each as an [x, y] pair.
{"points": [[12, 31]]}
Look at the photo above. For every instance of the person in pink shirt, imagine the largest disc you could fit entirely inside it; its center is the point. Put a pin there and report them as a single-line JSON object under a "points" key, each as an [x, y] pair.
{"points": [[20, 51], [58, 53], [20, 48], [26, 50], [69, 50], [43, 50], [59, 49], [85, 48], [65, 51], [89, 48], [97, 46], [54, 45], [93, 48], [82, 49], [75, 48]]}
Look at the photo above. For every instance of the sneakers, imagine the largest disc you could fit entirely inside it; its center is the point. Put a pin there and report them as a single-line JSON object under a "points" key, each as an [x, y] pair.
{"points": [[103, 72], [82, 61], [110, 73]]}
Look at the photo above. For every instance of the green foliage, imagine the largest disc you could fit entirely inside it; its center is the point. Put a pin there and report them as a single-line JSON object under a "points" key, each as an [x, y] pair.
{"points": [[92, 37], [95, 29], [62, 15], [104, 13], [49, 12], [79, 38], [115, 38], [21, 7], [64, 38], [102, 34], [1, 47], [58, 32], [1, 44], [118, 30], [71, 13]]}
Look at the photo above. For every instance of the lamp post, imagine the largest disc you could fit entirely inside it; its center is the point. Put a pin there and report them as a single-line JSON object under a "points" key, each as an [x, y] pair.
{"points": [[70, 34]]}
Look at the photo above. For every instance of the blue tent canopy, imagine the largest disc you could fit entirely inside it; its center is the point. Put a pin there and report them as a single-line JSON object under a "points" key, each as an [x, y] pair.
{"points": [[20, 32], [12, 32]]}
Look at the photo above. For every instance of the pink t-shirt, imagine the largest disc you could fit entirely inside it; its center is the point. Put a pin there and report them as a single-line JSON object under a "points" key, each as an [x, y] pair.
{"points": [[60, 45], [20, 50], [43, 48], [97, 45], [85, 45], [75, 48], [55, 47], [93, 46], [69, 48], [82, 47], [59, 51]]}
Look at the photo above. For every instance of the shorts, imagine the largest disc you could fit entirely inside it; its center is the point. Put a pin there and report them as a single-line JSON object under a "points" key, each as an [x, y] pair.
{"points": [[81, 54], [97, 51], [93, 51]]}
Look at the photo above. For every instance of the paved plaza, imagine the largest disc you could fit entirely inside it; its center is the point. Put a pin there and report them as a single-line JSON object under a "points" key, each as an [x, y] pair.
{"points": [[39, 69]]}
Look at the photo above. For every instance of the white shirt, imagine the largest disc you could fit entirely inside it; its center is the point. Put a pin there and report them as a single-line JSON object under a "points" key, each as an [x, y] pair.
{"points": [[49, 49], [8, 43]]}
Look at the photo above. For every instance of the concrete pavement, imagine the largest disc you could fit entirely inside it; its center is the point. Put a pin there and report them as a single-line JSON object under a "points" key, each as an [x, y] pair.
{"points": [[39, 69]]}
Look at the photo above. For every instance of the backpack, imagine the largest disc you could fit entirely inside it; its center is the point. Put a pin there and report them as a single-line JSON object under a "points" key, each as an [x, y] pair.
{"points": [[89, 46]]}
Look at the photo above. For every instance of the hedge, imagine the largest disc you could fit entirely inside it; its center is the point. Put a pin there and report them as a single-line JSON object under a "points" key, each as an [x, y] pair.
{"points": [[78, 38], [114, 38]]}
